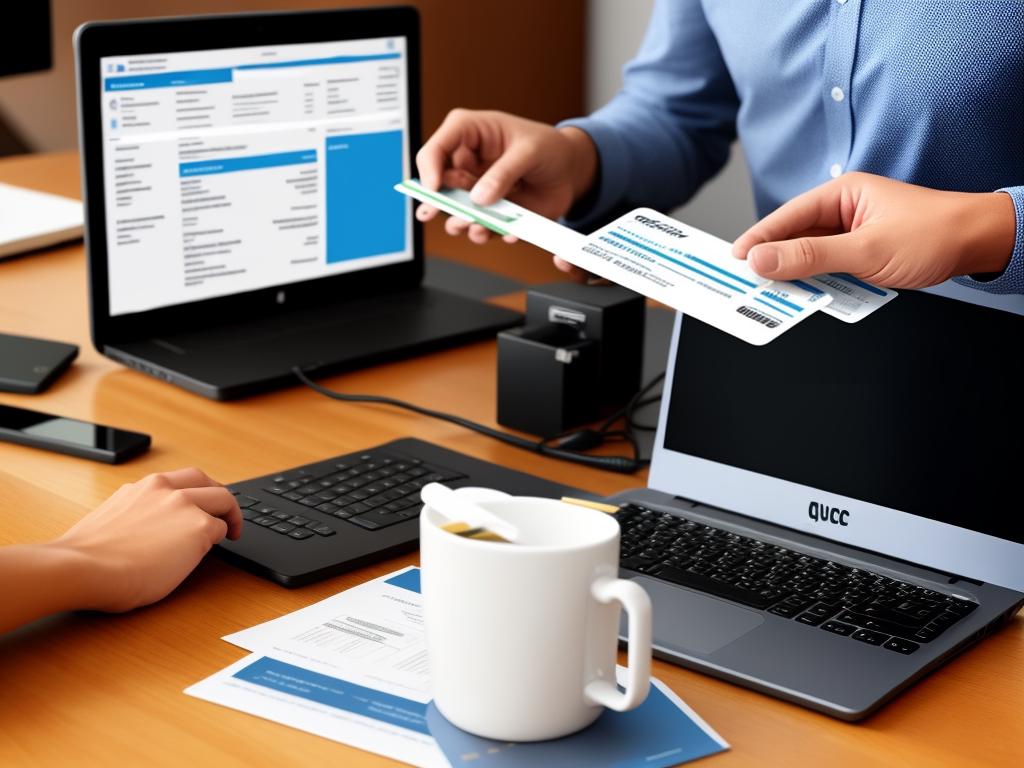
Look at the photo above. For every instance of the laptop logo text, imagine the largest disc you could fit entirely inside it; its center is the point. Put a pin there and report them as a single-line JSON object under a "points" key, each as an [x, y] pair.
{"points": [[822, 513]]}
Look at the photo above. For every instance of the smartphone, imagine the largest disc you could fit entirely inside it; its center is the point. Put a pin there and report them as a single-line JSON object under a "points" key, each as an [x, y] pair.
{"points": [[30, 365], [70, 436]]}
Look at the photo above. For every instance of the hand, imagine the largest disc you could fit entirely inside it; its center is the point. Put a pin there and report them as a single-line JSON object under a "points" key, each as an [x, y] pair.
{"points": [[883, 231], [496, 155], [145, 539]]}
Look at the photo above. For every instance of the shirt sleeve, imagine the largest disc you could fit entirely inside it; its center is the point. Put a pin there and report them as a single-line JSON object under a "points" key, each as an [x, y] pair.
{"points": [[1011, 279], [670, 127]]}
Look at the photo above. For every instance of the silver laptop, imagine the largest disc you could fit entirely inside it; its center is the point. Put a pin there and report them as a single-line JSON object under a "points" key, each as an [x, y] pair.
{"points": [[834, 515]]}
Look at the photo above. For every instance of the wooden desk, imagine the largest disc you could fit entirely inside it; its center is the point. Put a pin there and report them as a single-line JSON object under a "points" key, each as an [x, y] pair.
{"points": [[95, 689]]}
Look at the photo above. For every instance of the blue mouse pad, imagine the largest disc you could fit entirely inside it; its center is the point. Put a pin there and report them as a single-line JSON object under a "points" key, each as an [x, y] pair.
{"points": [[661, 732]]}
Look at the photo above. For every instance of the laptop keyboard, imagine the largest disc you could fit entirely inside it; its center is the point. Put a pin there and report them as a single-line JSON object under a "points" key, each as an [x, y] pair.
{"points": [[819, 594], [369, 490]]}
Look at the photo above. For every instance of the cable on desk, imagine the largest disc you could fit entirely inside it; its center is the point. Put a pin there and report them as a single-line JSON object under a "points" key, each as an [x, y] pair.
{"points": [[567, 446]]}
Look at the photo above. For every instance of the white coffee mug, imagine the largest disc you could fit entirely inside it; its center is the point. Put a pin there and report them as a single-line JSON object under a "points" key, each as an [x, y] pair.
{"points": [[522, 637]]}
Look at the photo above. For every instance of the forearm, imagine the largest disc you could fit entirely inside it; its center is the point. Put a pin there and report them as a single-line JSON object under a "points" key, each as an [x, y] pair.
{"points": [[39, 580]]}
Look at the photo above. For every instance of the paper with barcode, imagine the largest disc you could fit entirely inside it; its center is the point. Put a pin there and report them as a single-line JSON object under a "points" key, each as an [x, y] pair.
{"points": [[670, 262]]}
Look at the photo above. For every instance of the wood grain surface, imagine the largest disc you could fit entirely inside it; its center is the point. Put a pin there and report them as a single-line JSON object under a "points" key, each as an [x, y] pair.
{"points": [[92, 689]]}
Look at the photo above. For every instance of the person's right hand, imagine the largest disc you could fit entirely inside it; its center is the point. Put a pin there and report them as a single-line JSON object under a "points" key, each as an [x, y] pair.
{"points": [[145, 539], [496, 155]]}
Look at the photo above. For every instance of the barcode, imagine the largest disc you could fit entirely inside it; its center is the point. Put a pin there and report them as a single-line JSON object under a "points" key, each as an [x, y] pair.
{"points": [[753, 314]]}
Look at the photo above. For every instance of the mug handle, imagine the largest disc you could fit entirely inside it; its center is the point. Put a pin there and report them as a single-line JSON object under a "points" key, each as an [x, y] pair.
{"points": [[637, 604]]}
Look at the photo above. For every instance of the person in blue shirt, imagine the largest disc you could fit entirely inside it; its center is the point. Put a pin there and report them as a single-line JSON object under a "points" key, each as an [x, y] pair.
{"points": [[884, 139]]}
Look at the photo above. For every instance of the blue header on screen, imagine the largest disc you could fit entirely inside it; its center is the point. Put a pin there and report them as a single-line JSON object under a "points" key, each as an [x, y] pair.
{"points": [[223, 75]]}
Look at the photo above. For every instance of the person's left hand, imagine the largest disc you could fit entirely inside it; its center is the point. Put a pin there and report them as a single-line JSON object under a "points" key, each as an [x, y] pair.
{"points": [[883, 231]]}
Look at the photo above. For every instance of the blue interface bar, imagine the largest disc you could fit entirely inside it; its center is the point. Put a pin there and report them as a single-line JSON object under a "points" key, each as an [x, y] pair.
{"points": [[168, 79], [249, 163], [326, 60], [225, 75]]}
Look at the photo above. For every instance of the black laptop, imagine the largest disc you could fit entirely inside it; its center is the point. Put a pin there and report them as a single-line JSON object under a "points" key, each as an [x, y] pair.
{"points": [[240, 216]]}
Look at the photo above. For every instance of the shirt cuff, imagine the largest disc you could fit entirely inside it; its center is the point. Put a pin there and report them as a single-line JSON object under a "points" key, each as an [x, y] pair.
{"points": [[592, 211], [1011, 279]]}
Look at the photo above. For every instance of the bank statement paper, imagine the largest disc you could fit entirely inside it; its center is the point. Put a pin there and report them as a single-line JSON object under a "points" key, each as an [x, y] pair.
{"points": [[656, 256]]}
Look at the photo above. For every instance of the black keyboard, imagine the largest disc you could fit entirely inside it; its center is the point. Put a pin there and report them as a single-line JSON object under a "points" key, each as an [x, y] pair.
{"points": [[837, 598], [370, 490]]}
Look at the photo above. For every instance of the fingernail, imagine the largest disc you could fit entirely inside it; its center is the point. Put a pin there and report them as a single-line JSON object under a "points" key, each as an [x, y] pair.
{"points": [[480, 193], [764, 259]]}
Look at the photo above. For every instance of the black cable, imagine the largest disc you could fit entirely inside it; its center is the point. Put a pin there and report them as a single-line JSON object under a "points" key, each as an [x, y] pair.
{"points": [[623, 464]]}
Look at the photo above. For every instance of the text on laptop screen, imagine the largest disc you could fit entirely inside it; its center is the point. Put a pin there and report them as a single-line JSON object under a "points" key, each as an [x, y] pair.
{"points": [[232, 170], [915, 408]]}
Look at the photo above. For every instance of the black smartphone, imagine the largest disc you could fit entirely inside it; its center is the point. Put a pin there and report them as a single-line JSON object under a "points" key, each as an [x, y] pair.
{"points": [[30, 365], [76, 438]]}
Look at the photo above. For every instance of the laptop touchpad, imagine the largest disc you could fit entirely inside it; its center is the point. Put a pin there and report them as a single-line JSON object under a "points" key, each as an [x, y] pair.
{"points": [[689, 621]]}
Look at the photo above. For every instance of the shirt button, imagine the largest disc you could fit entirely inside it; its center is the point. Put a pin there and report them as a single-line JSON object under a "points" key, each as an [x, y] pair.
{"points": [[837, 93], [836, 170]]}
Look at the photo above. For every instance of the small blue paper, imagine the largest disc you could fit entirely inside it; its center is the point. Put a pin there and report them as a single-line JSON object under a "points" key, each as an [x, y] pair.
{"points": [[657, 734]]}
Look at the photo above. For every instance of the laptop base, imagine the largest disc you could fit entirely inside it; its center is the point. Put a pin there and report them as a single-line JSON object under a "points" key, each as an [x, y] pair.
{"points": [[257, 354]]}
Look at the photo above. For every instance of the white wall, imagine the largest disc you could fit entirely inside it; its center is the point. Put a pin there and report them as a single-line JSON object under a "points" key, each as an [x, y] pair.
{"points": [[725, 205]]}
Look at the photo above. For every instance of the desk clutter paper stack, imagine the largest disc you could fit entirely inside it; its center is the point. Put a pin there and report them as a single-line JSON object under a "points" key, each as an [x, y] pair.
{"points": [[675, 264], [353, 668]]}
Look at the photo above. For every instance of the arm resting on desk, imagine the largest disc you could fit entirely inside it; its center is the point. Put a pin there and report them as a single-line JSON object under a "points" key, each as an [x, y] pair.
{"points": [[130, 551]]}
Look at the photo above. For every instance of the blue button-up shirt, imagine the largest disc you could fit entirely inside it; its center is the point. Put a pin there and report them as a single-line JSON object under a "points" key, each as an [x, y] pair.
{"points": [[930, 92]]}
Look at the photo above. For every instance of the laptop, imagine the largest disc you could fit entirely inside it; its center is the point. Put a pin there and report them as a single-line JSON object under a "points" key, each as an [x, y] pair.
{"points": [[240, 216], [833, 515]]}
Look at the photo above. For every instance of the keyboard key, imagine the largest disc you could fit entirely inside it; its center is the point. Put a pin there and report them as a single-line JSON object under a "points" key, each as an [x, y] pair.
{"points": [[838, 627], [821, 609], [322, 529], [810, 619], [281, 527], [716, 588], [299, 520], [246, 501], [280, 514], [310, 501], [357, 509], [900, 645], [277, 490], [264, 509], [250, 514], [869, 637], [926, 634], [300, 533], [786, 611], [265, 521], [366, 521], [291, 496], [327, 507], [305, 490]]}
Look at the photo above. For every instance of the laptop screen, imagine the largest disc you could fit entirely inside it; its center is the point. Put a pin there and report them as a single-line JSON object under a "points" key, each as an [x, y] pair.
{"points": [[918, 408], [239, 169]]}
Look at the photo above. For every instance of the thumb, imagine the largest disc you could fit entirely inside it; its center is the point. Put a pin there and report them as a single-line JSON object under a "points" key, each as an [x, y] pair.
{"points": [[503, 175], [808, 256]]}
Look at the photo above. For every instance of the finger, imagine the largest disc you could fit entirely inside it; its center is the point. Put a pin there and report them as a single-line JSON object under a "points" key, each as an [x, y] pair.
{"points": [[455, 178], [189, 478], [426, 212], [218, 503], [510, 239], [434, 156], [503, 174], [479, 234], [455, 227], [815, 209], [809, 256], [572, 270]]}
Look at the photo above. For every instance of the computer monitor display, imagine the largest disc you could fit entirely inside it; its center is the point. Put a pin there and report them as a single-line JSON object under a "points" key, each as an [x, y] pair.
{"points": [[237, 169], [908, 421]]}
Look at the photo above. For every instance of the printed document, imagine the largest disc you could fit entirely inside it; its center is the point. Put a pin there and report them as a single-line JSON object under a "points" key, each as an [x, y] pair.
{"points": [[673, 263]]}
